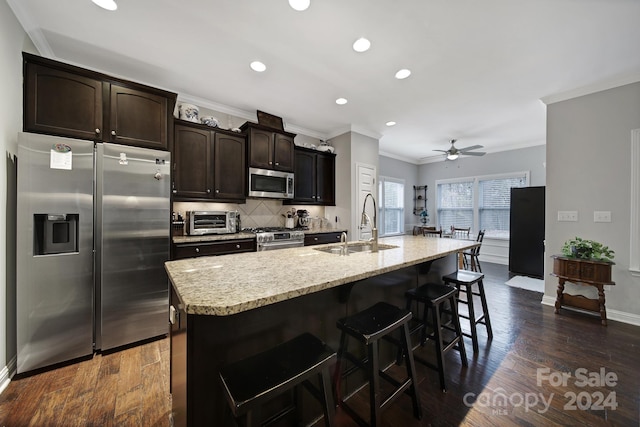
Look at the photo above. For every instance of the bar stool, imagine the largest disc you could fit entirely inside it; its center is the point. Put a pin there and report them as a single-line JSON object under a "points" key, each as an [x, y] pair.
{"points": [[464, 281], [433, 296], [368, 327], [251, 382]]}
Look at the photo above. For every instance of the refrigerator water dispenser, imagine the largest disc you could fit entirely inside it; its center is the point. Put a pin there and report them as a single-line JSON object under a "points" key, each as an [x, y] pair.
{"points": [[55, 233]]}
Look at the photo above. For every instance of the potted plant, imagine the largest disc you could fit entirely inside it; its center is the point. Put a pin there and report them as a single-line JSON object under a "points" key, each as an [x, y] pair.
{"points": [[587, 249]]}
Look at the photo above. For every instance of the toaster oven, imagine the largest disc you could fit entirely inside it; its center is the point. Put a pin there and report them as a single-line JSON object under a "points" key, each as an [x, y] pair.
{"points": [[211, 222]]}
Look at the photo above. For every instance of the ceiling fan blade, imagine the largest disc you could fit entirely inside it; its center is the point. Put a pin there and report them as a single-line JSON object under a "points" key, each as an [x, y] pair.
{"points": [[474, 153], [443, 151], [473, 147]]}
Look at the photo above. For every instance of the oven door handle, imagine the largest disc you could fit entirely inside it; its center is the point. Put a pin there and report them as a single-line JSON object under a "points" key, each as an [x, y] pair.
{"points": [[282, 245]]}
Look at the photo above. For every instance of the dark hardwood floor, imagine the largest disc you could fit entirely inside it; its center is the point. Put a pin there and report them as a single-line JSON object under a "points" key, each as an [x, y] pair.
{"points": [[504, 385]]}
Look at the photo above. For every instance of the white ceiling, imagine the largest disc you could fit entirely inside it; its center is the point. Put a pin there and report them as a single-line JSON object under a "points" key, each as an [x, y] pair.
{"points": [[479, 68]]}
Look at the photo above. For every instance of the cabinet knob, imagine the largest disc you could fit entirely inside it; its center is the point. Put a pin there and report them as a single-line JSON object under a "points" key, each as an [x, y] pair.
{"points": [[315, 238], [113, 132], [277, 163], [197, 250], [237, 246], [270, 163], [175, 191], [97, 130], [208, 190], [217, 191]]}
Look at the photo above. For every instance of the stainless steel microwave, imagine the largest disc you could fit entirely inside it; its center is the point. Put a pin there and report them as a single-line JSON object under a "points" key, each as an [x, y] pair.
{"points": [[211, 222], [271, 184]]}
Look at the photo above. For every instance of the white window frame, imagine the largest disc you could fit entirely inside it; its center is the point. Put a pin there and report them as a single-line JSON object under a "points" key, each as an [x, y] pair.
{"points": [[381, 207], [476, 182]]}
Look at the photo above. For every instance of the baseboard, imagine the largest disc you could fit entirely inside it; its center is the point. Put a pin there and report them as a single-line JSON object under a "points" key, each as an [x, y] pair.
{"points": [[619, 316], [7, 373]]}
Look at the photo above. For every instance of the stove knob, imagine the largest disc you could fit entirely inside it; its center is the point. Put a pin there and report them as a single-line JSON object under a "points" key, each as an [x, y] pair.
{"points": [[259, 239]]}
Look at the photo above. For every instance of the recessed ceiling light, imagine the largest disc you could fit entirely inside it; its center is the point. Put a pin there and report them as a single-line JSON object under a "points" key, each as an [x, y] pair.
{"points": [[361, 45], [258, 66], [341, 101], [403, 74], [391, 123], [299, 5], [106, 4]]}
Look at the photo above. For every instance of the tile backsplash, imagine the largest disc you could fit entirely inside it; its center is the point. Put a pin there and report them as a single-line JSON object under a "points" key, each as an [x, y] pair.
{"points": [[256, 212]]}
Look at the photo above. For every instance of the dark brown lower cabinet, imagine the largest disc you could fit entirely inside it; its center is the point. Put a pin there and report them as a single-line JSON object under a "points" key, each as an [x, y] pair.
{"points": [[321, 238], [223, 247]]}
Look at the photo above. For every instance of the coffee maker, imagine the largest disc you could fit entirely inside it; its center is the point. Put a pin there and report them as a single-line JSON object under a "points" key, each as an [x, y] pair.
{"points": [[303, 218]]}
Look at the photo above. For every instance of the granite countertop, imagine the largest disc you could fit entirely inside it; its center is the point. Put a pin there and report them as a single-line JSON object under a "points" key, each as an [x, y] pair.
{"points": [[230, 284], [242, 235]]}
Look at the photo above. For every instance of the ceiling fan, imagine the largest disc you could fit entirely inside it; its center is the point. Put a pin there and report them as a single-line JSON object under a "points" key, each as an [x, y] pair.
{"points": [[453, 152]]}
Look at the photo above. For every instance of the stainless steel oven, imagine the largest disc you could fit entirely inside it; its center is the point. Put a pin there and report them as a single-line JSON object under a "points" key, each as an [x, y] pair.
{"points": [[270, 184], [211, 222], [268, 239]]}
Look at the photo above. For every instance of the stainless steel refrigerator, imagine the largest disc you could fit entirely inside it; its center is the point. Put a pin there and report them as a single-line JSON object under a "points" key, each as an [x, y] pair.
{"points": [[92, 239]]}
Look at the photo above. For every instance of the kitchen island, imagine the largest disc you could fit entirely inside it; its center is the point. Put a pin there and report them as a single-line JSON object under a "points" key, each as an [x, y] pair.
{"points": [[232, 306]]}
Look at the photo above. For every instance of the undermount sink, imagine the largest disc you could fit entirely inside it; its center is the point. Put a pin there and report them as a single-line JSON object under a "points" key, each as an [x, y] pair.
{"points": [[354, 247]]}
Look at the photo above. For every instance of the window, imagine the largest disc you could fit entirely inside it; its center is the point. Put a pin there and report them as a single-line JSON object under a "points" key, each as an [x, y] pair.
{"points": [[391, 210], [482, 203]]}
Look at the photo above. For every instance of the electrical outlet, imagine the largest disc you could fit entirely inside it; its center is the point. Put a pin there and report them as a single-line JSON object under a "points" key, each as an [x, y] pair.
{"points": [[601, 216], [570, 216]]}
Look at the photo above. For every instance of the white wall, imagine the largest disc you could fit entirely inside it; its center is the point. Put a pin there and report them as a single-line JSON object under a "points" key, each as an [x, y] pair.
{"points": [[13, 40], [589, 169], [409, 173]]}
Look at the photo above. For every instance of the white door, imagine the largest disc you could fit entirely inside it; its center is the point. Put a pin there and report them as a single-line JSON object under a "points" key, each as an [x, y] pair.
{"points": [[366, 175]]}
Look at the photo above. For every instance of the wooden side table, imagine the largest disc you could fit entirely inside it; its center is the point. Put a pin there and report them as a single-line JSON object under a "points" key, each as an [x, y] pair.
{"points": [[582, 272]]}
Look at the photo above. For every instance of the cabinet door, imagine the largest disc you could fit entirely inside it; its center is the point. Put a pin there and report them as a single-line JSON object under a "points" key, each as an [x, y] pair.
{"points": [[137, 118], [326, 180], [305, 177], [191, 163], [283, 152], [260, 149], [62, 103], [229, 167]]}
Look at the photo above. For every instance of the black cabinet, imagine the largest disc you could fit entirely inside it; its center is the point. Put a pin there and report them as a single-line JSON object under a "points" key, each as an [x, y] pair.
{"points": [[322, 238], [315, 178], [269, 148], [220, 247], [64, 100], [526, 231], [208, 164]]}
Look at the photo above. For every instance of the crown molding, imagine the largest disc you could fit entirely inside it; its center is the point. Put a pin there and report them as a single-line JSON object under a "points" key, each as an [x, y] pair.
{"points": [[614, 82], [34, 32], [398, 157]]}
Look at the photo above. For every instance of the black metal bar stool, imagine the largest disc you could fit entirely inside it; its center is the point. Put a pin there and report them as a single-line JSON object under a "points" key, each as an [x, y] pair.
{"points": [[251, 382], [433, 296], [464, 281], [369, 327]]}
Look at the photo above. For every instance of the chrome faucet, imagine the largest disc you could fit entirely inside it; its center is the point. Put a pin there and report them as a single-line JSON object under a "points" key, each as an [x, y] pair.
{"points": [[367, 220], [343, 240]]}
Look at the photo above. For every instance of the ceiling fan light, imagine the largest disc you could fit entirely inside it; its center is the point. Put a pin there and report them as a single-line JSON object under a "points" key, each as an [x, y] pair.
{"points": [[106, 4], [452, 156], [299, 5], [341, 101]]}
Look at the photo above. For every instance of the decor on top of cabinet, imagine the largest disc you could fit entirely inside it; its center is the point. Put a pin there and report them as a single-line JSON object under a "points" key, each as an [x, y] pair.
{"points": [[189, 112], [210, 121], [269, 120], [587, 249], [325, 146]]}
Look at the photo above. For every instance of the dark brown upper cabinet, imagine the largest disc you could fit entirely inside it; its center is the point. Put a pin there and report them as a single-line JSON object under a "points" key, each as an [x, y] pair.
{"points": [[269, 148], [315, 178], [64, 100], [208, 164]]}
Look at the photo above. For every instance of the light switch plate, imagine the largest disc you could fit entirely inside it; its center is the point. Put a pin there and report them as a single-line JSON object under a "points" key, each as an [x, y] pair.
{"points": [[601, 216], [571, 216]]}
